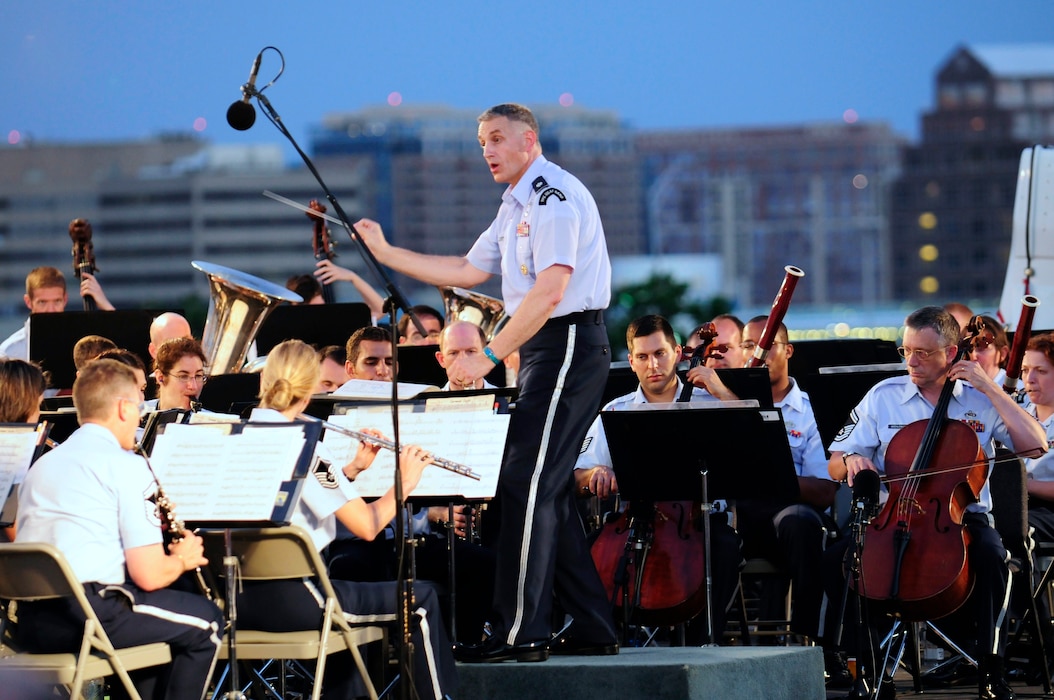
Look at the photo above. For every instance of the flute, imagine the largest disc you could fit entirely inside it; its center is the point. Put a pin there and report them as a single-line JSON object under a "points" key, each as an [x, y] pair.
{"points": [[447, 464]]}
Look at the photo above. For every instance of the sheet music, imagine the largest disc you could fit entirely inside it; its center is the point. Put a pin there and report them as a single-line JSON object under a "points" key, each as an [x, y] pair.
{"points": [[475, 439], [210, 473], [17, 446], [366, 389]]}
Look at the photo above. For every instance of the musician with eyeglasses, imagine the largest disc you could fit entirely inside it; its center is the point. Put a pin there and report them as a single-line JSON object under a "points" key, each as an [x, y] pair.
{"points": [[95, 500], [931, 336], [179, 369], [794, 536], [288, 381]]}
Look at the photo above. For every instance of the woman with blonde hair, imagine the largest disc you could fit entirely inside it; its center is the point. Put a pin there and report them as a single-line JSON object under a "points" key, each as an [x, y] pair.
{"points": [[288, 381]]}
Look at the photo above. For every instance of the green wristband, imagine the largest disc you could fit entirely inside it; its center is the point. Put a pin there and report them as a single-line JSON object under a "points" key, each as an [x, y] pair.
{"points": [[490, 353]]}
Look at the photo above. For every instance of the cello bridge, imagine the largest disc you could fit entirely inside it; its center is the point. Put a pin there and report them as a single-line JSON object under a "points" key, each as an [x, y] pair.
{"points": [[906, 507]]}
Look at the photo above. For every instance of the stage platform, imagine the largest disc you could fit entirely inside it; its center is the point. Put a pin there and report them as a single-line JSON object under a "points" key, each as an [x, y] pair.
{"points": [[655, 673]]}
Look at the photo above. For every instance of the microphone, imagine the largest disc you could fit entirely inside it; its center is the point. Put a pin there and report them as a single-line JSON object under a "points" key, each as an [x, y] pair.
{"points": [[865, 489], [242, 115]]}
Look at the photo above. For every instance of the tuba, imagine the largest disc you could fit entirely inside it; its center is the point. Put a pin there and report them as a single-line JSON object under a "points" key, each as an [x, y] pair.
{"points": [[464, 305], [238, 305]]}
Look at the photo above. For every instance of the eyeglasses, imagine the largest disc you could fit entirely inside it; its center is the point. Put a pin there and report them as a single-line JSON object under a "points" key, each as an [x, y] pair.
{"points": [[139, 405], [906, 353], [200, 378], [750, 345]]}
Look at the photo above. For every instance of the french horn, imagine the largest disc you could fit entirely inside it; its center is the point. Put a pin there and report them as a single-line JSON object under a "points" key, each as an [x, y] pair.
{"points": [[465, 305], [238, 305]]}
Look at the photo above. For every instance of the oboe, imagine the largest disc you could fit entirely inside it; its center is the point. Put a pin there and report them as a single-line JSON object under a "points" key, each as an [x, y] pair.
{"points": [[447, 464]]}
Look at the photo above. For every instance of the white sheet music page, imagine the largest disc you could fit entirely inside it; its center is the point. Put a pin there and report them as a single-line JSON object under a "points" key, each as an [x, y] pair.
{"points": [[211, 474], [475, 439], [366, 389], [17, 444]]}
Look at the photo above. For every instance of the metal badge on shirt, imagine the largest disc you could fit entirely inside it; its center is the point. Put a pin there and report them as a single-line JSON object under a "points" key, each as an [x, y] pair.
{"points": [[523, 230]]}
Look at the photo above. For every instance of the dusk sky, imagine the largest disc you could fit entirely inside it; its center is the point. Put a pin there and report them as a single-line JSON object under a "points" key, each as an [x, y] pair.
{"points": [[91, 71]]}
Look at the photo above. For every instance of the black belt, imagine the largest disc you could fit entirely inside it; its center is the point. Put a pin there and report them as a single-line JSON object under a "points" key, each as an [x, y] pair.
{"points": [[592, 317]]}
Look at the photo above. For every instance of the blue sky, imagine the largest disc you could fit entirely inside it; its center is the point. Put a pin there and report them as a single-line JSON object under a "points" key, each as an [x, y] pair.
{"points": [[73, 71]]}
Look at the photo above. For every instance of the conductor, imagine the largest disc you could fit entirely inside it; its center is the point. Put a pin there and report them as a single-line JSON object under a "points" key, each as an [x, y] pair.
{"points": [[547, 243]]}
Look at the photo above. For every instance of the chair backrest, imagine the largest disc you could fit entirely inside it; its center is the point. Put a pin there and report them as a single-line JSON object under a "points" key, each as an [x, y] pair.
{"points": [[267, 553], [36, 571], [1007, 482]]}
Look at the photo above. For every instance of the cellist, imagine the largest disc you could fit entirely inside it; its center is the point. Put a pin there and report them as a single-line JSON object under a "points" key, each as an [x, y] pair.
{"points": [[653, 356], [930, 341]]}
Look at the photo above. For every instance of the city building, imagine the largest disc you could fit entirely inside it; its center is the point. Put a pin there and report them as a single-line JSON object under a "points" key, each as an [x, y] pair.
{"points": [[952, 208], [813, 196], [155, 206]]}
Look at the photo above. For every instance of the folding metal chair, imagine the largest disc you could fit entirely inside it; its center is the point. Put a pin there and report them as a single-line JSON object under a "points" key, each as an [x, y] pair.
{"points": [[268, 554], [33, 571]]}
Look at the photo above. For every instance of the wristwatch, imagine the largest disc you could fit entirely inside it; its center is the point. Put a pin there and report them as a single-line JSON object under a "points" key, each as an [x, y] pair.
{"points": [[846, 456]]}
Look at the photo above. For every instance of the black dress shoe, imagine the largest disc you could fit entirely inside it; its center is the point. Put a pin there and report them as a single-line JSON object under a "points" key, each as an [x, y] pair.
{"points": [[493, 650], [570, 646]]}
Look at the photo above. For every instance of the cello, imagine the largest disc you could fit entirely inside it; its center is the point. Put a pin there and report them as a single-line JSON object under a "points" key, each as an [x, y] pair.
{"points": [[914, 562], [321, 243], [651, 557]]}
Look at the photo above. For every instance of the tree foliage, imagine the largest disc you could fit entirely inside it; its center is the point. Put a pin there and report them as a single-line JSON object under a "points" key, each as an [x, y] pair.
{"points": [[659, 294]]}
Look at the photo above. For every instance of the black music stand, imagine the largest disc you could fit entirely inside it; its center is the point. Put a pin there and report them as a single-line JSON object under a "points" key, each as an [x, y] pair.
{"points": [[418, 365], [231, 393], [834, 395], [318, 325], [733, 452], [52, 337], [62, 423], [810, 355]]}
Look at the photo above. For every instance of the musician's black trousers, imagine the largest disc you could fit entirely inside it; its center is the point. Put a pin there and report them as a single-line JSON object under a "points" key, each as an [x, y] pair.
{"points": [[190, 624], [288, 606], [986, 606], [794, 538], [541, 547]]}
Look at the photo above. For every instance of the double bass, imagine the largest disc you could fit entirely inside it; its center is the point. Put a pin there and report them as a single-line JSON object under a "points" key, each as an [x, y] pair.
{"points": [[914, 562], [83, 255], [321, 243]]}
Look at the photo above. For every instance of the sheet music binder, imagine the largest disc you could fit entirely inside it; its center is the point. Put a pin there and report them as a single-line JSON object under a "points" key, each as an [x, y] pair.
{"points": [[658, 451], [187, 493], [15, 462]]}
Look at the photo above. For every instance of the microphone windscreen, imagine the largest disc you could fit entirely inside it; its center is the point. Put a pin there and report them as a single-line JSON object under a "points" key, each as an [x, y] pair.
{"points": [[241, 115], [865, 487]]}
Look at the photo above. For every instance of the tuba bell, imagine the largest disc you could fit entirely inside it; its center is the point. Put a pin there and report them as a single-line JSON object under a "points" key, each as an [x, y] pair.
{"points": [[464, 305], [238, 305]]}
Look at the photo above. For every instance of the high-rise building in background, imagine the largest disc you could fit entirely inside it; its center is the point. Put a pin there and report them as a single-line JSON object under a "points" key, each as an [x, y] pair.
{"points": [[952, 208], [872, 220], [155, 206], [760, 199]]}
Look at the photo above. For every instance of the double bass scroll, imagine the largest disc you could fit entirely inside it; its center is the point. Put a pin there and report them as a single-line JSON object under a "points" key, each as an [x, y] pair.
{"points": [[321, 243], [83, 255]]}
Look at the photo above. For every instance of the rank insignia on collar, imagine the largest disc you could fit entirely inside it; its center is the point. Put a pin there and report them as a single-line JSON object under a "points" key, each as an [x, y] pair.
{"points": [[551, 192], [539, 184]]}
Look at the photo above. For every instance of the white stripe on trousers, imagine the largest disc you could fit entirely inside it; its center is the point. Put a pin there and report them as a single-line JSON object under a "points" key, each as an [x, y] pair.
{"points": [[532, 497]]}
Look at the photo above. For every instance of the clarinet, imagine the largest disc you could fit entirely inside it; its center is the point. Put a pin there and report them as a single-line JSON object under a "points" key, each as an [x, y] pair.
{"points": [[172, 528]]}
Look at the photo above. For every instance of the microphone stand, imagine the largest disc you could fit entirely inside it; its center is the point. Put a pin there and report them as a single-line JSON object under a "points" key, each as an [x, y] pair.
{"points": [[405, 573], [863, 510]]}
